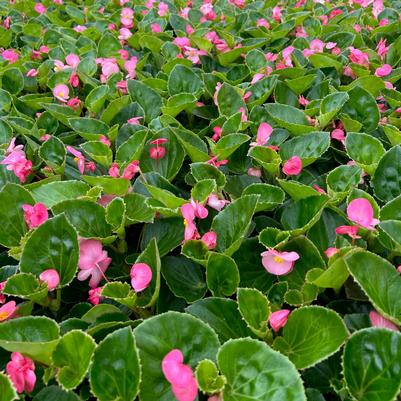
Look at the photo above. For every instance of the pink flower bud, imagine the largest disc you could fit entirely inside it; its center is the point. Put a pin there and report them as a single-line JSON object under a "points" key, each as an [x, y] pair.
{"points": [[278, 319], [141, 276], [210, 239], [51, 277], [292, 166]]}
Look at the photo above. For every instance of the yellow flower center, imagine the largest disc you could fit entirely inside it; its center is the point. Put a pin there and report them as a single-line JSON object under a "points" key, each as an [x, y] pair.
{"points": [[185, 222], [4, 315], [277, 259], [61, 94]]}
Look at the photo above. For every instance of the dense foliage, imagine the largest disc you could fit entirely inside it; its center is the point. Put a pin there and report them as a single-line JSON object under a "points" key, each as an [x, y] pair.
{"points": [[200, 200]]}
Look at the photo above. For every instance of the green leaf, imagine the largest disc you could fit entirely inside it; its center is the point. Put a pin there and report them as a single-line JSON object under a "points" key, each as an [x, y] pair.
{"points": [[387, 179], [7, 391], [110, 185], [183, 80], [311, 334], [53, 245], [58, 191], [52, 393], [391, 210], [96, 98], [232, 223], [108, 45], [222, 315], [160, 334], [26, 286], [255, 309], [330, 106], [137, 210], [361, 106], [319, 60], [132, 148], [290, 118], [193, 145], [178, 103], [53, 153], [228, 144], [202, 189], [379, 280], [99, 152], [308, 147], [90, 126], [120, 292], [296, 190], [266, 158], [229, 100], [203, 171], [148, 99], [371, 364], [365, 150], [12, 81], [13, 225], [115, 373], [254, 371], [35, 337], [151, 257], [222, 275], [87, 217], [208, 378], [72, 356], [184, 278], [342, 180]]}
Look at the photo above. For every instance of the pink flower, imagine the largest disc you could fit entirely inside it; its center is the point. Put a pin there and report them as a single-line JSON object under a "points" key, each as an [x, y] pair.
{"points": [[358, 57], [210, 239], [193, 54], [79, 158], [141, 276], [244, 118], [21, 371], [381, 48], [278, 319], [360, 211], [125, 34], [264, 132], [254, 172], [7, 310], [217, 133], [188, 212], [163, 9], [32, 73], [352, 231], [10, 55], [40, 8], [79, 28], [292, 166], [114, 170], [16, 161], [61, 92], [134, 120], [130, 66], [93, 261], [262, 22], [35, 215], [378, 320], [182, 42], [329, 252], [276, 14], [51, 277], [105, 140], [74, 103], [2, 296], [338, 134], [158, 152], [279, 263], [214, 202], [156, 28], [180, 376], [383, 71], [109, 67], [130, 171], [72, 60], [318, 189], [74, 80], [94, 295]]}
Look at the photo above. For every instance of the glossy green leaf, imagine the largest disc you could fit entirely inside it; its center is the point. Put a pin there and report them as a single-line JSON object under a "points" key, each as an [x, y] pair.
{"points": [[270, 196], [7, 391]]}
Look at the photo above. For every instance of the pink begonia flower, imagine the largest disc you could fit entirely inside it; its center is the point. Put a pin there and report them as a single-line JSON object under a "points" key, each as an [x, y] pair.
{"points": [[292, 166], [124, 54], [278, 319], [182, 42], [279, 263], [74, 103], [114, 170], [74, 80], [257, 77], [134, 120], [79, 28], [93, 261], [21, 371], [79, 158], [254, 172], [130, 171], [263, 135], [7, 22], [94, 295], [214, 202], [32, 73], [238, 3], [180, 376], [329, 252], [358, 57], [383, 71], [381, 48], [352, 231], [35, 215], [276, 14], [360, 211], [130, 66], [17, 162], [244, 118], [40, 8], [122, 86], [72, 60], [7, 310], [158, 152], [61, 92], [377, 8], [105, 140], [193, 54], [156, 28], [303, 101], [318, 189], [247, 95], [207, 10], [141, 276], [51, 277], [378, 320], [217, 133], [2, 296], [125, 34], [199, 210], [10, 55], [188, 212], [262, 22], [59, 2], [189, 30], [338, 134], [210, 239], [163, 9]]}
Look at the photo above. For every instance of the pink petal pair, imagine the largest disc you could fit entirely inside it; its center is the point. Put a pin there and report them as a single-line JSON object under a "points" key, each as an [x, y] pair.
{"points": [[141, 276], [279, 263], [378, 320], [51, 278], [21, 371], [7, 310], [263, 135], [35, 215], [360, 211], [278, 319], [292, 166]]}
